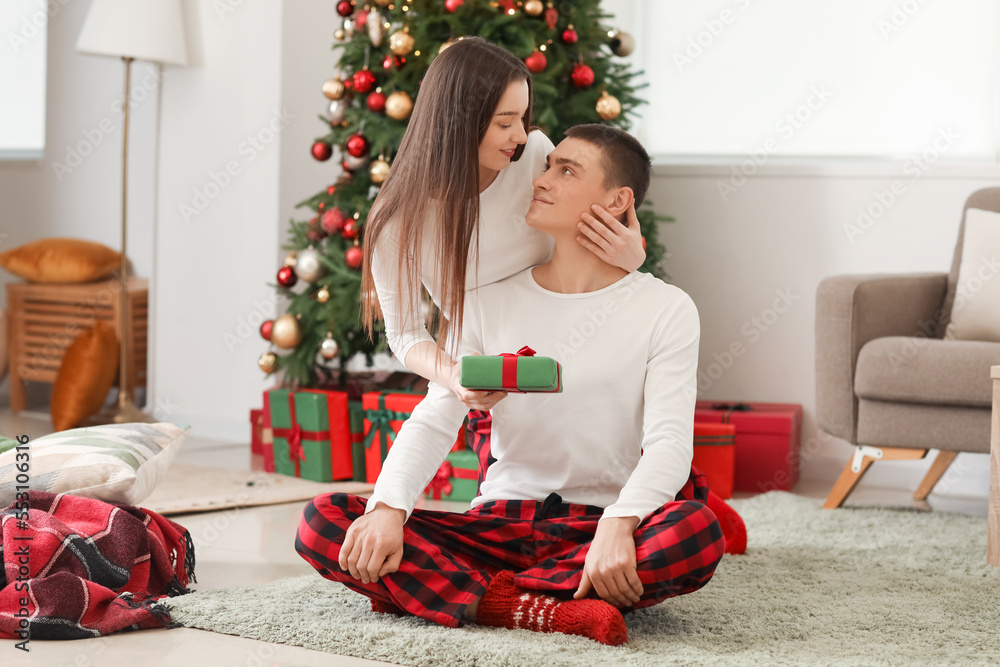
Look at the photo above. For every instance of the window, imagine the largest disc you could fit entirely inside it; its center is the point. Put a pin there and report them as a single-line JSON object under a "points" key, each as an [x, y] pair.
{"points": [[24, 29], [844, 79]]}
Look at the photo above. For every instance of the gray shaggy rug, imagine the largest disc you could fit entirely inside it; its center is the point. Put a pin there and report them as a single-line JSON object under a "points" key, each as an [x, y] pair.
{"points": [[856, 586]]}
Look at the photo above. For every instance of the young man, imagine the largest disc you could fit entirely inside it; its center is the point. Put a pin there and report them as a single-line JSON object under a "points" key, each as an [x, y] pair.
{"points": [[588, 504]]}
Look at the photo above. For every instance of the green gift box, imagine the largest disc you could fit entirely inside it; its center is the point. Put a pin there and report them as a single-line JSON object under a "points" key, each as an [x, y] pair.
{"points": [[457, 479], [519, 373], [311, 432]]}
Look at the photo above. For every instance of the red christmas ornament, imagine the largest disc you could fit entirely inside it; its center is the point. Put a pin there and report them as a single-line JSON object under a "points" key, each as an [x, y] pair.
{"points": [[357, 145], [361, 20], [392, 61], [551, 16], [364, 80], [351, 229], [330, 190], [582, 76], [265, 330], [346, 167], [569, 36], [287, 277], [376, 102], [333, 221], [508, 5], [348, 85], [452, 5], [536, 62], [322, 151], [354, 256], [345, 8]]}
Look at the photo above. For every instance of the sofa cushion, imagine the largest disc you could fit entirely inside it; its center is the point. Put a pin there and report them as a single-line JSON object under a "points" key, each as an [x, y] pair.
{"points": [[926, 370], [974, 313]]}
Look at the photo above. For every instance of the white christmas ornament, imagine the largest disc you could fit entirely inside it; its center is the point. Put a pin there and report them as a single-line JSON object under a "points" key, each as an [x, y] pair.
{"points": [[307, 265]]}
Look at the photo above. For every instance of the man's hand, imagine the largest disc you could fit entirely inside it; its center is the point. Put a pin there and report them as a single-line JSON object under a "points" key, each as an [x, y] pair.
{"points": [[610, 565], [607, 238], [373, 546], [474, 400]]}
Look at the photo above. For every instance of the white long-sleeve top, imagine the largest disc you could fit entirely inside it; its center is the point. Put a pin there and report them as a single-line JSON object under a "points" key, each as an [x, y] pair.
{"points": [[507, 245], [629, 355]]}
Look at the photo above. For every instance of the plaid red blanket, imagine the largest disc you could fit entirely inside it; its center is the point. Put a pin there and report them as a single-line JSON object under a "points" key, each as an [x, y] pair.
{"points": [[77, 568]]}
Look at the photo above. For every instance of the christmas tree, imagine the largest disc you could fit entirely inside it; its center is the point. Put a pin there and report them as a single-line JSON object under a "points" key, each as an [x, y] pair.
{"points": [[386, 46]]}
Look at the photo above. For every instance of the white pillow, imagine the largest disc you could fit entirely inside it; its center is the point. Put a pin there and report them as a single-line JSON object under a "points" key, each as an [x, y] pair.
{"points": [[120, 463], [975, 314]]}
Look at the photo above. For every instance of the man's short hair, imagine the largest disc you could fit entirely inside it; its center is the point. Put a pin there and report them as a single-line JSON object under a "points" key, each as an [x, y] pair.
{"points": [[624, 161]]}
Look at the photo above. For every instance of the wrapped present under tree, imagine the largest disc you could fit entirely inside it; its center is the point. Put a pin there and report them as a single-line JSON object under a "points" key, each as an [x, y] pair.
{"points": [[312, 433]]}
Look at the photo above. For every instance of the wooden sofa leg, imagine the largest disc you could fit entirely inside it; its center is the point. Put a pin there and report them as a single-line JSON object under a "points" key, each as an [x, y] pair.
{"points": [[845, 484], [934, 475], [855, 469]]}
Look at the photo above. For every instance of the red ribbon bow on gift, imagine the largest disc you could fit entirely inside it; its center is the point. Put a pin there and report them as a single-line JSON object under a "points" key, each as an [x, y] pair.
{"points": [[508, 377], [441, 482]]}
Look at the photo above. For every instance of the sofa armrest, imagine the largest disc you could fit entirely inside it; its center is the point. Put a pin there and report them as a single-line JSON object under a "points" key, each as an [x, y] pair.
{"points": [[854, 309]]}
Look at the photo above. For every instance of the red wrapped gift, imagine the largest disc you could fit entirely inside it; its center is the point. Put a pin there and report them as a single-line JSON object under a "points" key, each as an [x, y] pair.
{"points": [[267, 436], [767, 442], [714, 455], [256, 432], [384, 416]]}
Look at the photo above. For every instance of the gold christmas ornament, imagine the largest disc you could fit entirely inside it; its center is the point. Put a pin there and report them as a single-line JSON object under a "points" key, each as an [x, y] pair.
{"points": [[290, 259], [333, 88], [267, 362], [379, 171], [622, 44], [376, 27], [401, 42], [323, 295], [398, 106], [329, 348], [286, 332], [534, 7], [339, 34], [608, 106]]}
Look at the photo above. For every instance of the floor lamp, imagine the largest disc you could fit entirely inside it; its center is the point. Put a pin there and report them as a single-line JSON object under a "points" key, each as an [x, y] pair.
{"points": [[150, 30]]}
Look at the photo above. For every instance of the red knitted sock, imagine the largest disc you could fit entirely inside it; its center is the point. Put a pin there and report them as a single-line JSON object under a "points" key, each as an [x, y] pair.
{"points": [[380, 607], [506, 605]]}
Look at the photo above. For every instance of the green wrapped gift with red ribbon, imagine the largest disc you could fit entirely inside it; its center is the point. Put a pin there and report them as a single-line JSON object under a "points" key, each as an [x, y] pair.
{"points": [[457, 479], [384, 414], [311, 432], [519, 373]]}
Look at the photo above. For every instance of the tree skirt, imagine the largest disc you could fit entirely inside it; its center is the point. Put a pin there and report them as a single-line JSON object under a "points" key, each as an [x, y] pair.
{"points": [[846, 587], [189, 488]]}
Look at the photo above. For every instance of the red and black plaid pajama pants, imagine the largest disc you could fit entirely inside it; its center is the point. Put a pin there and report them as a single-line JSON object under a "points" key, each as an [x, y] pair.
{"points": [[449, 558]]}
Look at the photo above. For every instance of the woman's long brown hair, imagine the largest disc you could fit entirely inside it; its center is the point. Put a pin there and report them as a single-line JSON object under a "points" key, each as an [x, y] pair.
{"points": [[438, 159]]}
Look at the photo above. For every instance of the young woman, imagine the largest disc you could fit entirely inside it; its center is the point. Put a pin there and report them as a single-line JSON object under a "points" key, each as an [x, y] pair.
{"points": [[451, 213]]}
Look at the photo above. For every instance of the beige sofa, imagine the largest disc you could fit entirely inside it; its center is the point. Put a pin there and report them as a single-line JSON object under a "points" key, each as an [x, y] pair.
{"points": [[887, 382]]}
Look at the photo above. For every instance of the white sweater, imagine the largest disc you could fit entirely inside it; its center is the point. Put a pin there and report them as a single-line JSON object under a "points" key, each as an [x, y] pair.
{"points": [[506, 246], [629, 356]]}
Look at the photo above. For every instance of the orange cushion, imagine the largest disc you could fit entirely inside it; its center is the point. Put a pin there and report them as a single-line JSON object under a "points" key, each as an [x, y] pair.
{"points": [[61, 261], [86, 375]]}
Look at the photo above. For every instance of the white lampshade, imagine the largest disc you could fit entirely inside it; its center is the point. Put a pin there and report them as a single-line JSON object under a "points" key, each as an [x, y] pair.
{"points": [[142, 29]]}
